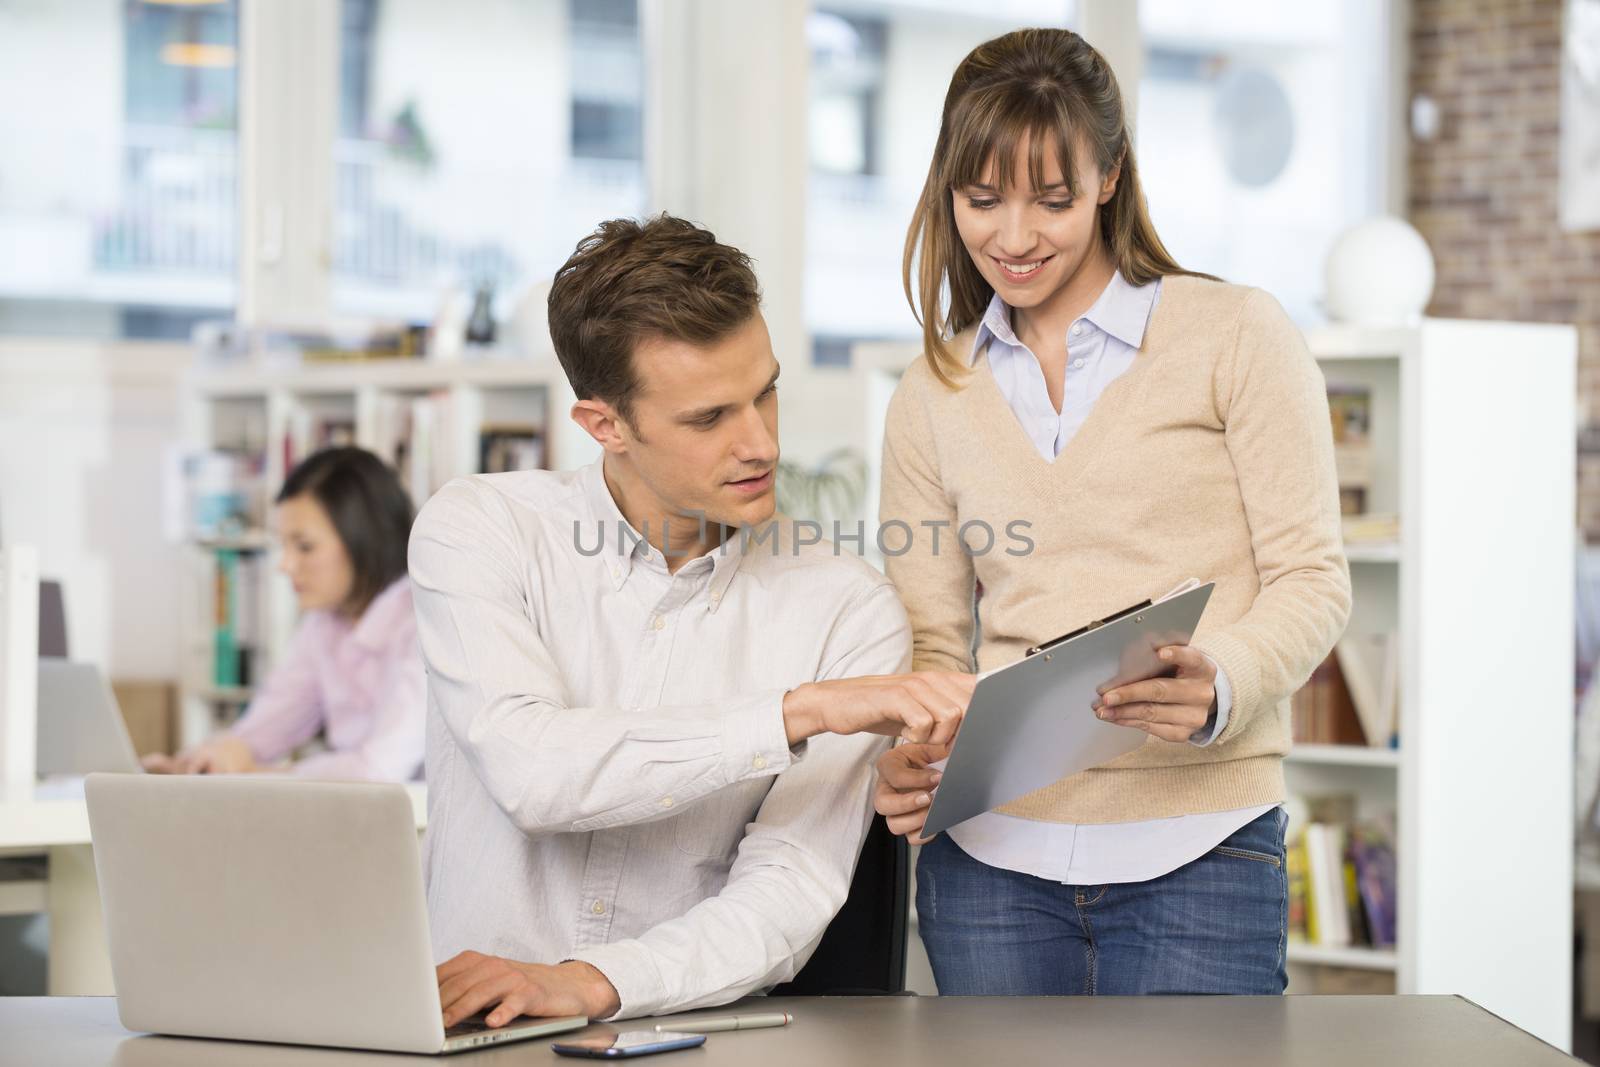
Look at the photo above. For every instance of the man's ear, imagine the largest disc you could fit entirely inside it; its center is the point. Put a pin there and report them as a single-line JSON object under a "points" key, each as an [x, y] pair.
{"points": [[601, 421]]}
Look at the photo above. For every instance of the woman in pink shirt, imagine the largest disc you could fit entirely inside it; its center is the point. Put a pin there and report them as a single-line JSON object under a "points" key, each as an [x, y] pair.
{"points": [[353, 669]]}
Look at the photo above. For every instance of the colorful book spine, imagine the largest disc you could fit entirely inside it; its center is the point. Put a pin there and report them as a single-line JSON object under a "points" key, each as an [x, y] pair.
{"points": [[1299, 902], [1354, 915], [1325, 856], [225, 644], [1375, 876]]}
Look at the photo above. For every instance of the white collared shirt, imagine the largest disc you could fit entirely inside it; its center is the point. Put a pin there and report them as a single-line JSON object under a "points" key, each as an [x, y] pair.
{"points": [[609, 777], [1101, 346]]}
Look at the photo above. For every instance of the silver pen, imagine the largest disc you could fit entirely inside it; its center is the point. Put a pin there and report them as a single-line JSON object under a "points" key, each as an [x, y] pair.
{"points": [[720, 1023]]}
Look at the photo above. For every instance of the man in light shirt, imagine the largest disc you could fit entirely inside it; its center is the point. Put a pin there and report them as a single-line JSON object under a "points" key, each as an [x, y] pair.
{"points": [[653, 711]]}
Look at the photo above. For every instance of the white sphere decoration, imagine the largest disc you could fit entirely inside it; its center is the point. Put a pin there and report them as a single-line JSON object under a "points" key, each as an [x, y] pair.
{"points": [[1379, 273]]}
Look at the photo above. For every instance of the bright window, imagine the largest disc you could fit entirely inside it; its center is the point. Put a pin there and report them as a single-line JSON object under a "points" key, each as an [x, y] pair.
{"points": [[118, 177], [479, 140], [1258, 137], [879, 71]]}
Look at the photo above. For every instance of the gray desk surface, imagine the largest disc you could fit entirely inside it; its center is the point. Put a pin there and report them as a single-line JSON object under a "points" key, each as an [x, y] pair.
{"points": [[915, 1031]]}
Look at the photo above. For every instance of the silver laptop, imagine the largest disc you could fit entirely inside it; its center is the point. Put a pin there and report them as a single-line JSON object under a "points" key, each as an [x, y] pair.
{"points": [[266, 909], [81, 728]]}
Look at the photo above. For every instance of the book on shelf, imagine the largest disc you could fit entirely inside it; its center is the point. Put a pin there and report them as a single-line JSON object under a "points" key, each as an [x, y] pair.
{"points": [[1373, 867], [1370, 528], [1324, 845], [416, 434], [1341, 876], [348, 342], [222, 492], [1350, 407], [1301, 928], [236, 610], [1370, 666], [503, 447], [1352, 698], [1322, 713], [311, 431]]}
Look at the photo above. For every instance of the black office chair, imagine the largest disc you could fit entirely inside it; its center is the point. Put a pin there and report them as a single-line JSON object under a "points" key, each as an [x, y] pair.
{"points": [[863, 951]]}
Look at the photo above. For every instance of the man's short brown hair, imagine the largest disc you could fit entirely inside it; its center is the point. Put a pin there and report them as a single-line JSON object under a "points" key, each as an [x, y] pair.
{"points": [[632, 281]]}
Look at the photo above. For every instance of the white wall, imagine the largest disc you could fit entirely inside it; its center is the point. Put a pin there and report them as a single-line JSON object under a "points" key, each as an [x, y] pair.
{"points": [[58, 166], [84, 428], [63, 154]]}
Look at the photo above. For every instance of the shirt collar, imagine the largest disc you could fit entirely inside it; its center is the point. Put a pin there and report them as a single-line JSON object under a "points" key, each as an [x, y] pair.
{"points": [[996, 323], [1122, 310], [377, 625], [603, 510]]}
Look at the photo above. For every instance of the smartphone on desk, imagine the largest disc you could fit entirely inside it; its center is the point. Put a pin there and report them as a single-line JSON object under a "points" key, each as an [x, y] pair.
{"points": [[629, 1043]]}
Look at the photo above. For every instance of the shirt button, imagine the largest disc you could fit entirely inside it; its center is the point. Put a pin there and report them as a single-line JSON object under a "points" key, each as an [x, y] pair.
{"points": [[1077, 328], [658, 623], [599, 907], [760, 763], [666, 802], [1077, 363]]}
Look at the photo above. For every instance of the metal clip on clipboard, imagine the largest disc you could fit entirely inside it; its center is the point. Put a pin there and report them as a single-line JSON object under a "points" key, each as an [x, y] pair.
{"points": [[1095, 624]]}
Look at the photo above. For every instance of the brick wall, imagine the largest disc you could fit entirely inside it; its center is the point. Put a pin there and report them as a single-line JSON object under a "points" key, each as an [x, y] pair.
{"points": [[1484, 192]]}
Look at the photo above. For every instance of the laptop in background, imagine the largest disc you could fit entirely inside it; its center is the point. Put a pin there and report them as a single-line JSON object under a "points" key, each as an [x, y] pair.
{"points": [[52, 620], [260, 909], [80, 726]]}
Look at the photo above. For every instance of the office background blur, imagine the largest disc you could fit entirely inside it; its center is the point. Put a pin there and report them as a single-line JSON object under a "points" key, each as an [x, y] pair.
{"points": [[404, 148], [184, 184]]}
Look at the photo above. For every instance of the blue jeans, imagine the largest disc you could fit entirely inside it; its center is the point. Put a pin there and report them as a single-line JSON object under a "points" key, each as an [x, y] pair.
{"points": [[1216, 925]]}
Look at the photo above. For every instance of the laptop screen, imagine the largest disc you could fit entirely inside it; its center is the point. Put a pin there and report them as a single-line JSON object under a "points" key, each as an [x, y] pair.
{"points": [[52, 620]]}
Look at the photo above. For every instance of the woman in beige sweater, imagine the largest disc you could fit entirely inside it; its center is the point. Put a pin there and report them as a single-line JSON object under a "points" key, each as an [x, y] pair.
{"points": [[1126, 424]]}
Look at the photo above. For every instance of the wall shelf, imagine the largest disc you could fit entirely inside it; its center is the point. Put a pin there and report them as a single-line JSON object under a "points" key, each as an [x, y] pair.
{"points": [[1373, 551], [1345, 755], [1368, 959]]}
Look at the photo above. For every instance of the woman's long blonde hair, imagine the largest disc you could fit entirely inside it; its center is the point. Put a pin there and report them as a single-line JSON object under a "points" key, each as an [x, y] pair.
{"points": [[1050, 88]]}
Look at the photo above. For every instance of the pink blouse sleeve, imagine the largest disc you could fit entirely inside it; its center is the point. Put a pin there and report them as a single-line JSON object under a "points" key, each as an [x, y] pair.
{"points": [[287, 710], [392, 750]]}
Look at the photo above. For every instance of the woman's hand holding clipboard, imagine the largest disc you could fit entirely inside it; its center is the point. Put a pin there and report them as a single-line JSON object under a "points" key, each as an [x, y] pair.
{"points": [[1173, 709]]}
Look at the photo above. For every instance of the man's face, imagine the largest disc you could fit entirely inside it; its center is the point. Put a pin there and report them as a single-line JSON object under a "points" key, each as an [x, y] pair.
{"points": [[703, 432]]}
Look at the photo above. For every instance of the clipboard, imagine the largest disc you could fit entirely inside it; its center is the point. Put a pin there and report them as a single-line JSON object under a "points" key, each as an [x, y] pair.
{"points": [[1030, 723]]}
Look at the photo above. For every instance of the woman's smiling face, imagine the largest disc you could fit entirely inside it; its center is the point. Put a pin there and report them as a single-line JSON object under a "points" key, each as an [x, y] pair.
{"points": [[1029, 243]]}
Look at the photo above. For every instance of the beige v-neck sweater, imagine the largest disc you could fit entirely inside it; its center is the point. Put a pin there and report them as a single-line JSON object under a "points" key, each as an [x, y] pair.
{"points": [[1210, 457]]}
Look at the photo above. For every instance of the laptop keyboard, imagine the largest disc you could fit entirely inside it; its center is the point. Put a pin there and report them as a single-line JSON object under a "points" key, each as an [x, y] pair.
{"points": [[472, 1024]]}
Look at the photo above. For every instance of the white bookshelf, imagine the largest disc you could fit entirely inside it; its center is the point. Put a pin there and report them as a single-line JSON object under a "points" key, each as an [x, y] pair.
{"points": [[222, 406], [1472, 437]]}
